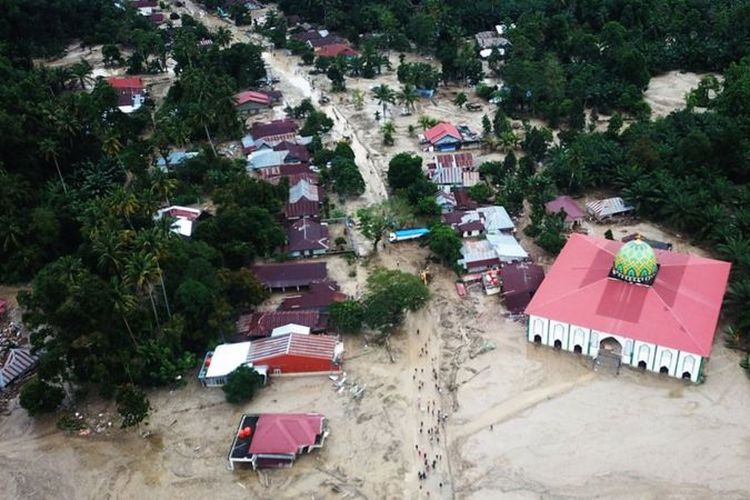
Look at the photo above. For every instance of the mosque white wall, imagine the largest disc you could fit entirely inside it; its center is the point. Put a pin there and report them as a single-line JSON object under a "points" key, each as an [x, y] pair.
{"points": [[634, 352]]}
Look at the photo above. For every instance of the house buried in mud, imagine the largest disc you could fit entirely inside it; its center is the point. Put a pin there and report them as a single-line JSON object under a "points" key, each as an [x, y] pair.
{"points": [[273, 440], [629, 304]]}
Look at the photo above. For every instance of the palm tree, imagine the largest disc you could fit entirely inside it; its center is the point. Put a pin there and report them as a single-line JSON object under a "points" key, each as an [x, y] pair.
{"points": [[108, 245], [737, 298], [153, 241], [50, 149], [408, 96], [384, 95], [388, 130], [81, 71], [508, 140], [124, 204], [111, 146], [141, 271], [223, 36], [124, 303], [426, 122], [356, 65], [358, 98], [460, 99], [163, 185]]}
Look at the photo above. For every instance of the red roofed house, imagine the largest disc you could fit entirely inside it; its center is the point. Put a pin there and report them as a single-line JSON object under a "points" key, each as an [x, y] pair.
{"points": [[290, 353], [573, 214], [520, 281], [251, 101], [443, 137], [319, 297], [302, 209], [261, 324], [335, 50], [627, 303], [275, 131], [273, 440], [290, 276], [130, 92], [307, 238]]}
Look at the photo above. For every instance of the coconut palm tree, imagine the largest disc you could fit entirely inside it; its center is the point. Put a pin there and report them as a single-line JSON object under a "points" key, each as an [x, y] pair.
{"points": [[124, 203], [81, 71], [223, 36], [141, 270], [426, 122], [384, 95], [408, 96], [108, 245], [50, 149], [388, 130], [124, 303], [153, 241], [358, 98], [163, 185]]}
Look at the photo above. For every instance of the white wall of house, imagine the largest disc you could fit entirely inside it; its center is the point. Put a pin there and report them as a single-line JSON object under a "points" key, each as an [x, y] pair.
{"points": [[550, 332]]}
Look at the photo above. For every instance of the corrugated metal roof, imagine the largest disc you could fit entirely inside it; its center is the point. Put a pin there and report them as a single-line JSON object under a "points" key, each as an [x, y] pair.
{"points": [[293, 344], [608, 207], [19, 362], [287, 275]]}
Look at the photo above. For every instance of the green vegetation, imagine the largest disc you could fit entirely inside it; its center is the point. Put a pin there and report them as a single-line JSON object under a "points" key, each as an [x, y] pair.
{"points": [[242, 384], [445, 244], [39, 397], [132, 405]]}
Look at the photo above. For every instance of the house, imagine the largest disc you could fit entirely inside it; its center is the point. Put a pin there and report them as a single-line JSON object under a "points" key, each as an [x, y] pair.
{"points": [[464, 161], [290, 276], [626, 303], [573, 214], [520, 280], [471, 223], [316, 43], [185, 218], [303, 209], [446, 201], [131, 93], [607, 208], [307, 238], [477, 256], [174, 159], [262, 324], [447, 178], [491, 40], [463, 200], [300, 170], [273, 440], [304, 190], [336, 50], [507, 248], [443, 137], [285, 353], [319, 297], [296, 153], [251, 101], [18, 362], [265, 158], [275, 131]]}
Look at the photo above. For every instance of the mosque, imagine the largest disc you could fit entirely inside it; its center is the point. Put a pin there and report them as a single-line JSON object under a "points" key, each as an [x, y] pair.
{"points": [[655, 310]]}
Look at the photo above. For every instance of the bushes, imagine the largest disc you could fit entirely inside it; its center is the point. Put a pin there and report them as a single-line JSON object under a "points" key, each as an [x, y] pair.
{"points": [[40, 397], [242, 384]]}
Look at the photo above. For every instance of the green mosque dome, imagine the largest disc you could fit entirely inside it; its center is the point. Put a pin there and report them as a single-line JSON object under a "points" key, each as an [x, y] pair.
{"points": [[635, 263]]}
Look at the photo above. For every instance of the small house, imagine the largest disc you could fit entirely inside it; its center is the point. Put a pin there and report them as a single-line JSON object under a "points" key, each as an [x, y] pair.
{"points": [[443, 137], [319, 297], [290, 276], [262, 324], [251, 101], [478, 256], [507, 248], [608, 208], [131, 93], [273, 440], [307, 238], [18, 362], [336, 50], [520, 280], [304, 190], [275, 131], [185, 219], [573, 214], [302, 209], [446, 201], [174, 159]]}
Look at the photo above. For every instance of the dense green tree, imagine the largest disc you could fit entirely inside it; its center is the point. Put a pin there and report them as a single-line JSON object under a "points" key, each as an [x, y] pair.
{"points": [[39, 397], [390, 293], [132, 405], [346, 316], [404, 169], [373, 222], [346, 178], [242, 384], [445, 243]]}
